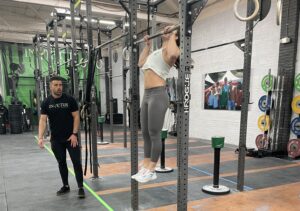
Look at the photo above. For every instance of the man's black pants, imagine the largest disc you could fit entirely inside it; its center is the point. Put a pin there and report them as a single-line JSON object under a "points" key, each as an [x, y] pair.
{"points": [[59, 149]]}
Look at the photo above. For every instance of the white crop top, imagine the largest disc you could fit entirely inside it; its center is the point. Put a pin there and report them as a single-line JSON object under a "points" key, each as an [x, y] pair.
{"points": [[157, 64]]}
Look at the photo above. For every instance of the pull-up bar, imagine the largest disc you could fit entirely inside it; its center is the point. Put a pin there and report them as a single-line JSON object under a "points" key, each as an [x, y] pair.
{"points": [[141, 40], [158, 34], [111, 41]]}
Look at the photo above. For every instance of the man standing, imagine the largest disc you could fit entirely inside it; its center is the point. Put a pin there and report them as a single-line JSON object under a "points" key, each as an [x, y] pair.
{"points": [[62, 112]]}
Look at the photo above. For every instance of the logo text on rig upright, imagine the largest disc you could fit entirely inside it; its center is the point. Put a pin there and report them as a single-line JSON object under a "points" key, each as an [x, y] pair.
{"points": [[187, 96]]}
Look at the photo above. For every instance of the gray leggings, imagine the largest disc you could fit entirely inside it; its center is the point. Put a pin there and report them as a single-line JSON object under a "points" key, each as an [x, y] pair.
{"points": [[154, 106]]}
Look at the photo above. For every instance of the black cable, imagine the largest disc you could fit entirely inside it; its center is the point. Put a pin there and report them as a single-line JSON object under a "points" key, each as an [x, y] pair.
{"points": [[86, 147], [90, 80], [253, 26], [99, 41], [20, 53], [10, 56], [66, 56], [90, 144], [81, 33], [94, 64], [4, 60], [91, 73]]}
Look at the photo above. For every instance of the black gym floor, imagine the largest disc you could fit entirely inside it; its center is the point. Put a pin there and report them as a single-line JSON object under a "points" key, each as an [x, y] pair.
{"points": [[29, 178]]}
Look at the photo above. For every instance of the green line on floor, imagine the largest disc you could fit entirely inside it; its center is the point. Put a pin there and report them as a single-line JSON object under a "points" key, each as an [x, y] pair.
{"points": [[84, 183]]}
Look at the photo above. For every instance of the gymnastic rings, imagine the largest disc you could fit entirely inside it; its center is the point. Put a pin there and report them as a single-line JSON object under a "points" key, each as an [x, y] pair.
{"points": [[125, 54], [251, 17], [42, 52], [279, 12], [83, 62], [84, 112], [99, 64]]}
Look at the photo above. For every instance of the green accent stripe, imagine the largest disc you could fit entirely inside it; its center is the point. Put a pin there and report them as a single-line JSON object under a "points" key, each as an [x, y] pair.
{"points": [[77, 4], [64, 35], [84, 183]]}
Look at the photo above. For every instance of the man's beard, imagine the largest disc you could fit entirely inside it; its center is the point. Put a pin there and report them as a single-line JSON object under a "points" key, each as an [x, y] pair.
{"points": [[57, 93]]}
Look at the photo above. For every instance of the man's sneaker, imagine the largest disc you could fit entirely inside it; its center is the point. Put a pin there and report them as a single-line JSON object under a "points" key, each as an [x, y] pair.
{"points": [[146, 176], [63, 190], [81, 193], [141, 171]]}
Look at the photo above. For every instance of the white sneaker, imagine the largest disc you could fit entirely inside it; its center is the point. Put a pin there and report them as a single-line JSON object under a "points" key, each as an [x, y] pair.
{"points": [[146, 176], [139, 172]]}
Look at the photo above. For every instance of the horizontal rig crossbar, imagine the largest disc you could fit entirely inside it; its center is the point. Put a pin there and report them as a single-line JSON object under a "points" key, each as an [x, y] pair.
{"points": [[158, 34], [111, 41]]}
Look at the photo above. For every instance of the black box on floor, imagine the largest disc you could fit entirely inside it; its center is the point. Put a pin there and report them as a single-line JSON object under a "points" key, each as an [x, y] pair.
{"points": [[117, 118]]}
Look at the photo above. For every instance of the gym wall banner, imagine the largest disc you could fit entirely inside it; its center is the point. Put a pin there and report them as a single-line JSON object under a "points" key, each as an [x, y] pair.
{"points": [[223, 90]]}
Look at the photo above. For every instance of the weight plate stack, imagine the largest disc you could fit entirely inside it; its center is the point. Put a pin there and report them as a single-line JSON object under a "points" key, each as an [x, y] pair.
{"points": [[297, 82], [293, 148], [15, 118], [264, 103], [295, 126], [296, 104], [263, 123], [267, 83], [262, 141]]}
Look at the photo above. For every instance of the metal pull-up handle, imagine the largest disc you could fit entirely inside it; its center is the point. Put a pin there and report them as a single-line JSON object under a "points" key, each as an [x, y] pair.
{"points": [[125, 54], [251, 17], [279, 12], [158, 34], [83, 63], [99, 64]]}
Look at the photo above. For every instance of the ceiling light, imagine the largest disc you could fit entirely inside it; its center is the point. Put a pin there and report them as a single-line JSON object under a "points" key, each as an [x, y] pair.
{"points": [[93, 20], [107, 22], [76, 18], [61, 11]]}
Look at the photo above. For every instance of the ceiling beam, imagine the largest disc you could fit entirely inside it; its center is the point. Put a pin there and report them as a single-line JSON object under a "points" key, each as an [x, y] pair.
{"points": [[117, 14], [4, 21], [15, 37], [172, 6], [37, 13]]}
